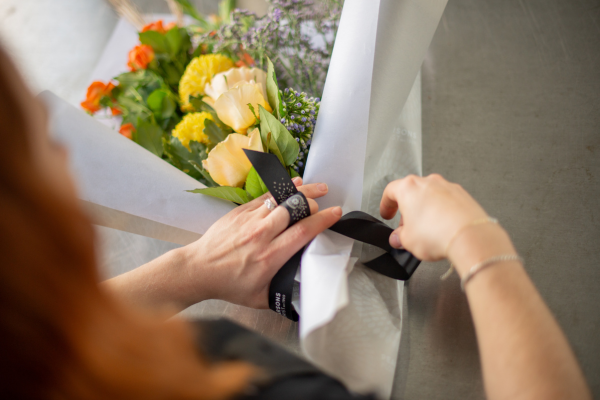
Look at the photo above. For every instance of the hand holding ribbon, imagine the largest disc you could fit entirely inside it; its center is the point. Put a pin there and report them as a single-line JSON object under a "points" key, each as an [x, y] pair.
{"points": [[394, 263]]}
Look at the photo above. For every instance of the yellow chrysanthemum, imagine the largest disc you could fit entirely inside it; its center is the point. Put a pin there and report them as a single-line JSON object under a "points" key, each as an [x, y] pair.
{"points": [[191, 127], [198, 73]]}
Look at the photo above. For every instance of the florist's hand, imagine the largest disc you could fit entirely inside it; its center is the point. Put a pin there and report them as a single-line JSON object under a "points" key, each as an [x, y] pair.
{"points": [[239, 255], [433, 211]]}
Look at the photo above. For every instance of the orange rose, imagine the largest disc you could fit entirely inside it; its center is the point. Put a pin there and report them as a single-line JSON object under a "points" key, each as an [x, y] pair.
{"points": [[116, 111], [140, 57], [96, 91], [127, 130], [158, 27], [245, 60]]}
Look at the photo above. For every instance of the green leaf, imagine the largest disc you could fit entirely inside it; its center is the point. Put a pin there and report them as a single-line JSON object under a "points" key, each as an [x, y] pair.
{"points": [[273, 90], [293, 173], [149, 136], [161, 103], [171, 73], [286, 143], [190, 10], [156, 40], [255, 185], [253, 111], [209, 180], [214, 133], [175, 41], [234, 194], [138, 78], [182, 158], [225, 9], [273, 149]]}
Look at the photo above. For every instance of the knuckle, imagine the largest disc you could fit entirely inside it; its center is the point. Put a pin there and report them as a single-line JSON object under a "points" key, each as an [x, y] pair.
{"points": [[268, 224], [299, 231], [410, 179]]}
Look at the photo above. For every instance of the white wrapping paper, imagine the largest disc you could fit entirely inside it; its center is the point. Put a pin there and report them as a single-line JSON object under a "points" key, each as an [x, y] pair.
{"points": [[351, 321], [365, 137]]}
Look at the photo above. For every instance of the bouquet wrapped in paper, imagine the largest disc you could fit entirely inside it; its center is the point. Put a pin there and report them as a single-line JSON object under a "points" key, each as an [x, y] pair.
{"points": [[366, 132]]}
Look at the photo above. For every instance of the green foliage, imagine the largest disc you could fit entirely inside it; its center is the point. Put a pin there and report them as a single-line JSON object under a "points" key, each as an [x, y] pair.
{"points": [[190, 10], [273, 94], [144, 95], [209, 180], [234, 194], [272, 148], [161, 103], [188, 161], [255, 185], [156, 40], [172, 53], [214, 133], [141, 78], [225, 9], [149, 136], [286, 144]]}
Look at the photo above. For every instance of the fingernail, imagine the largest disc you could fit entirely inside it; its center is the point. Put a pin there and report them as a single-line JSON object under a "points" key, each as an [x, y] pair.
{"points": [[395, 241], [337, 211], [296, 180], [322, 187]]}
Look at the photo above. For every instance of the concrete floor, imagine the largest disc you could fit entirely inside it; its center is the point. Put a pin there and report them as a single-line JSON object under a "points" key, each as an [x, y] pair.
{"points": [[511, 110]]}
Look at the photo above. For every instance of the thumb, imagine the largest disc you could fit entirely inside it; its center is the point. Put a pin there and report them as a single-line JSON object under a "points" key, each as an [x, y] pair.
{"points": [[395, 238]]}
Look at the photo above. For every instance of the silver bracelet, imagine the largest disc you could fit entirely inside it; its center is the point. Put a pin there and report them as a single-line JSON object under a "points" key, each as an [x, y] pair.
{"points": [[486, 263]]}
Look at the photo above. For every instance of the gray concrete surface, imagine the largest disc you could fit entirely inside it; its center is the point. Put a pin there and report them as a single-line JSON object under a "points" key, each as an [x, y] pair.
{"points": [[511, 110]]}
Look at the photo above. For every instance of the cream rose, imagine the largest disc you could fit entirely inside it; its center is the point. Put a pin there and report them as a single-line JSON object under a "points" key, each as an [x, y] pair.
{"points": [[232, 106], [223, 81], [227, 163]]}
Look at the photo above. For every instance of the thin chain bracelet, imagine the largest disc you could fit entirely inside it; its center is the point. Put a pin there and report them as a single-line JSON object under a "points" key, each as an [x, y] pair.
{"points": [[475, 222], [486, 263]]}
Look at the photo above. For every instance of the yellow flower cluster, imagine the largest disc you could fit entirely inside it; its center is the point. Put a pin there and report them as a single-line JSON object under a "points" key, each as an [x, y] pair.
{"points": [[198, 73], [230, 91], [191, 127]]}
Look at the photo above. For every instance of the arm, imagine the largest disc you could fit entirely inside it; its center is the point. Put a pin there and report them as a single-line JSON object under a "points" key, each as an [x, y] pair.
{"points": [[524, 354], [234, 261]]}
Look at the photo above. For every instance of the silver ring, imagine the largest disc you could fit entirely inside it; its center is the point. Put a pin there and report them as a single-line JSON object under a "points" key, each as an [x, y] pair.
{"points": [[269, 204]]}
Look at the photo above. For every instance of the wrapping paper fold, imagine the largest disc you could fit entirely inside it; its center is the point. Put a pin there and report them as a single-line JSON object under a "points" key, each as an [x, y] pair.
{"points": [[368, 133], [125, 186]]}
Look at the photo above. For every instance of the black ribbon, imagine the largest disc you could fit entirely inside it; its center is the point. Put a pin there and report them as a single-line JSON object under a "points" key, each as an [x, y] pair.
{"points": [[394, 263]]}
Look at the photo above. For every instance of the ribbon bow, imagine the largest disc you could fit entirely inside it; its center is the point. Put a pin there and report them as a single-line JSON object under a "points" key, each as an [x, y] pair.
{"points": [[394, 263]]}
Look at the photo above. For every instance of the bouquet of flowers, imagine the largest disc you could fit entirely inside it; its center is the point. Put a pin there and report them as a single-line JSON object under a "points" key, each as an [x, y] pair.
{"points": [[196, 96]]}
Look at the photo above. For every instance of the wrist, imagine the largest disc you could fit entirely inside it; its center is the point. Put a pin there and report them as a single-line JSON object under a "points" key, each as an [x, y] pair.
{"points": [[478, 243], [188, 288]]}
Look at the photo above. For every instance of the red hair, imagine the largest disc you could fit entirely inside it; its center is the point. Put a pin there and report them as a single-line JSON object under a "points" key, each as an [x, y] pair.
{"points": [[61, 336]]}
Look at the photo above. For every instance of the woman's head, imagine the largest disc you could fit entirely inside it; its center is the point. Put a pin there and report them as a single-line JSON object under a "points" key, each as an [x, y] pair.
{"points": [[60, 335]]}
